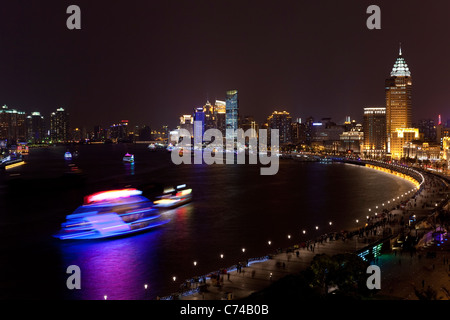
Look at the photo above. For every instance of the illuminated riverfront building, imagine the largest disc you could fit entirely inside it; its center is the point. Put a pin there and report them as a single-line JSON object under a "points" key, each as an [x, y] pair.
{"points": [[232, 113], [119, 131], [12, 125], [352, 141], [36, 128], [281, 120], [187, 122], [446, 147], [199, 123], [59, 126], [400, 138], [398, 103], [220, 115], [208, 110], [374, 125]]}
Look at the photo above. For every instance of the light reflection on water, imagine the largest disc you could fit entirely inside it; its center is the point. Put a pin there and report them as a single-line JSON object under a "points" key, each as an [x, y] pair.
{"points": [[233, 207]]}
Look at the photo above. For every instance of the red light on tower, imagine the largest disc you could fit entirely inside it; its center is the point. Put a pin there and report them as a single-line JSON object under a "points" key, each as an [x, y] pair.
{"points": [[440, 121]]}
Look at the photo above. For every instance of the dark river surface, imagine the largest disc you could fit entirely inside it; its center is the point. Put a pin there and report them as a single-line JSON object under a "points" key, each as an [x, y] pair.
{"points": [[234, 207]]}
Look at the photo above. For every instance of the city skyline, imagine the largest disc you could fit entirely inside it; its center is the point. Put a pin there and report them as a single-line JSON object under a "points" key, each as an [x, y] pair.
{"points": [[176, 58]]}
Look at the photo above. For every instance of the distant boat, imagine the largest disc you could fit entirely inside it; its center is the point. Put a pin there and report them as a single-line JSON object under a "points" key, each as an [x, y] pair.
{"points": [[152, 146], [174, 197], [68, 156], [128, 158]]}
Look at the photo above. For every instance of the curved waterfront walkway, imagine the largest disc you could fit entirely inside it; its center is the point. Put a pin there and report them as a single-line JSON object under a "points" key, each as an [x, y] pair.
{"points": [[399, 274]]}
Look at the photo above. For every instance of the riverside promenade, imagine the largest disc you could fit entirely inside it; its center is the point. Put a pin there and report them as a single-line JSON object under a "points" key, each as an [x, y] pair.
{"points": [[400, 273]]}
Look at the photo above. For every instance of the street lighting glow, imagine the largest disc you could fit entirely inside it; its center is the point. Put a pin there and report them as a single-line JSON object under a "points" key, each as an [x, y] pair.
{"points": [[243, 249], [195, 263]]}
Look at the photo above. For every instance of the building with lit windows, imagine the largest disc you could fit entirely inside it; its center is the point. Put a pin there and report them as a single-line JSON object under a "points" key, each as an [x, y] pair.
{"points": [[281, 120], [220, 116], [400, 138], [232, 113], [199, 123], [398, 90], [187, 123], [12, 125], [36, 128], [374, 127], [59, 126], [352, 141]]}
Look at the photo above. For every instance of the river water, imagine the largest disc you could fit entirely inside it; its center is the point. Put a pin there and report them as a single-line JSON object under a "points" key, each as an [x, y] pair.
{"points": [[234, 207]]}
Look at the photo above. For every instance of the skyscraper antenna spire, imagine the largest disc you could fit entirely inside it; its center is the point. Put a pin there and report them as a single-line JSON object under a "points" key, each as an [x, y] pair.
{"points": [[400, 51]]}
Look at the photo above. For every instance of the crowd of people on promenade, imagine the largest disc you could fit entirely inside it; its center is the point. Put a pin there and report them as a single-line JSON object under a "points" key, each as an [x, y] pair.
{"points": [[381, 225]]}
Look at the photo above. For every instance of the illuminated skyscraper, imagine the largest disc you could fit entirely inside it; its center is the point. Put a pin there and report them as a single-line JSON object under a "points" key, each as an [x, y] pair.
{"points": [[220, 115], [187, 122], [36, 128], [12, 125], [281, 120], [374, 125], [59, 126], [232, 112], [398, 100], [199, 123]]}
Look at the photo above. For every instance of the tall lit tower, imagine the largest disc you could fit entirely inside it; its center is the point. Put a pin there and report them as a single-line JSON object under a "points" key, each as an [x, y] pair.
{"points": [[232, 112], [398, 99], [59, 126]]}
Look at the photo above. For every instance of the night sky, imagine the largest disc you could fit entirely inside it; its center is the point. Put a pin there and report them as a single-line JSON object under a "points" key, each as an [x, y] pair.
{"points": [[151, 61]]}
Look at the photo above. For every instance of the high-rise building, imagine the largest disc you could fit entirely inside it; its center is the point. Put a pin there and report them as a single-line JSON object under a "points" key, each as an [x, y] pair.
{"points": [[199, 123], [220, 116], [119, 131], [59, 126], [187, 123], [210, 120], [36, 128], [12, 125], [398, 100], [374, 127], [281, 120], [232, 113]]}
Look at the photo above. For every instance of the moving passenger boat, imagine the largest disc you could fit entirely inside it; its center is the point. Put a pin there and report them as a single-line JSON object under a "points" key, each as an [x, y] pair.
{"points": [[110, 214], [68, 156], [174, 197], [11, 161], [128, 158]]}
